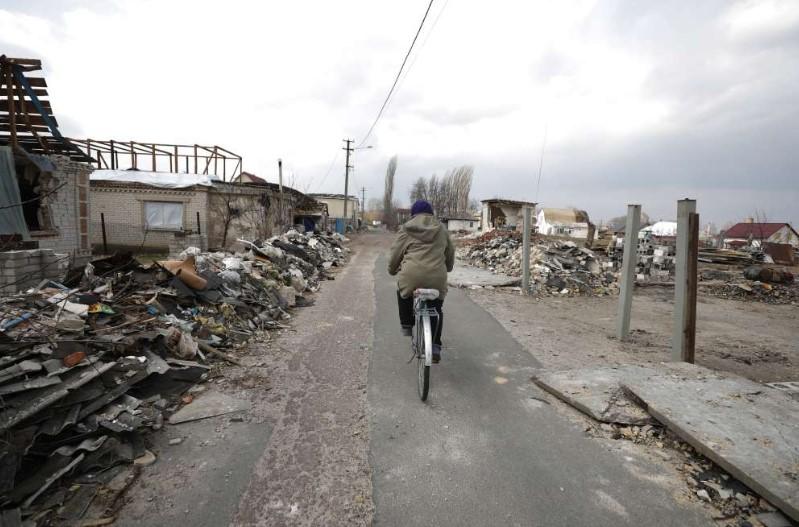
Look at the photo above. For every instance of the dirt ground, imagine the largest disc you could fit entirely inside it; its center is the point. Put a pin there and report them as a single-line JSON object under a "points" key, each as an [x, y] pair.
{"points": [[756, 340]]}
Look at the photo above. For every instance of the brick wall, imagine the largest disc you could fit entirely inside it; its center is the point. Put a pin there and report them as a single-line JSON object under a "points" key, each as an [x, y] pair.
{"points": [[20, 270], [69, 210], [122, 204]]}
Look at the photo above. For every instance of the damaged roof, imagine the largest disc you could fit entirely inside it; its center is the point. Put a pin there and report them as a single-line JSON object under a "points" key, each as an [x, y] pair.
{"points": [[566, 216], [756, 230], [27, 122]]}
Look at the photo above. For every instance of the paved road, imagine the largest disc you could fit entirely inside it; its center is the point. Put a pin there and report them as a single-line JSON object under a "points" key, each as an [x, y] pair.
{"points": [[482, 450]]}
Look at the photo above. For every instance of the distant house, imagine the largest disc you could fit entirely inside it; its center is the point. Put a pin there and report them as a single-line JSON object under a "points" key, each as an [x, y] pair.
{"points": [[504, 214], [461, 223], [572, 223], [755, 234], [335, 206], [158, 211], [246, 177], [663, 229]]}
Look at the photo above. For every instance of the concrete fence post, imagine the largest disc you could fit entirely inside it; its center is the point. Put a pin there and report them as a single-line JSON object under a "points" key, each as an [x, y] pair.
{"points": [[628, 270], [685, 282], [526, 250]]}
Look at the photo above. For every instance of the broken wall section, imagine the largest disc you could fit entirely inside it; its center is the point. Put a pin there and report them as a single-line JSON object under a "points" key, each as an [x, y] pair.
{"points": [[68, 208]]}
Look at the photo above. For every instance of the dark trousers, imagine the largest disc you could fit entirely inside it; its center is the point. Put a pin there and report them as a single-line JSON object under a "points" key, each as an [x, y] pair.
{"points": [[406, 315]]}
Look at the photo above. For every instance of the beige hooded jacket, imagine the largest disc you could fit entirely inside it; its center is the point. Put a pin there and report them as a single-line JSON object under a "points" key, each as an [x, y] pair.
{"points": [[422, 255]]}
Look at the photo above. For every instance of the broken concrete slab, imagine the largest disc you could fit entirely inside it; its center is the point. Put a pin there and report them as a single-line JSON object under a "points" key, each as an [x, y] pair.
{"points": [[750, 430], [597, 392], [462, 276], [209, 405]]}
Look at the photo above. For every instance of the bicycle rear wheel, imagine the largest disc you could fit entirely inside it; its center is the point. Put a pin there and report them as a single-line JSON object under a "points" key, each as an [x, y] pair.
{"points": [[424, 358]]}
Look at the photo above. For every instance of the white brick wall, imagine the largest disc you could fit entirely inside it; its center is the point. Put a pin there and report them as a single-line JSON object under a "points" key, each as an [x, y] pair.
{"points": [[70, 210], [123, 208]]}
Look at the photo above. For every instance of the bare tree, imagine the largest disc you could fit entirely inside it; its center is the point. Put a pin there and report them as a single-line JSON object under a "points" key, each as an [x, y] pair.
{"points": [[449, 195], [243, 213], [389, 218], [419, 190]]}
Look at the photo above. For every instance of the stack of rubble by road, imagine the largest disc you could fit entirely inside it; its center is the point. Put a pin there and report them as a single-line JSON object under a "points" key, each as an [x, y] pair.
{"points": [[557, 267], [755, 284], [90, 364]]}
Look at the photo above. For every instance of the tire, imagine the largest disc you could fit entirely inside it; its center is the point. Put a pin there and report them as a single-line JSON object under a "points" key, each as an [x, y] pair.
{"points": [[423, 378], [425, 347]]}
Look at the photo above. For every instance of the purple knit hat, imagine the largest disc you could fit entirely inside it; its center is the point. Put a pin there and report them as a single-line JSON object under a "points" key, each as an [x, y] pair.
{"points": [[421, 207]]}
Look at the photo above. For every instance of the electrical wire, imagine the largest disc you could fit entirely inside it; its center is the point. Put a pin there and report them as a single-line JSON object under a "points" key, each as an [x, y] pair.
{"points": [[421, 46], [541, 160], [37, 198], [330, 168], [396, 79]]}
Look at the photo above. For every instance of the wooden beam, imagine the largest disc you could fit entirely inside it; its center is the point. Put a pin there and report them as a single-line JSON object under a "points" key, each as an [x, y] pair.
{"points": [[35, 119], [24, 105], [35, 82], [12, 120]]}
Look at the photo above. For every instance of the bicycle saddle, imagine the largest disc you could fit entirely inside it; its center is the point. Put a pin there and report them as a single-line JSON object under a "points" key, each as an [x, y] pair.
{"points": [[426, 294]]}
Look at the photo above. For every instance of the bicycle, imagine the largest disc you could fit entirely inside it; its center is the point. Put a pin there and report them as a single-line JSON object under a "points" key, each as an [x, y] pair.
{"points": [[422, 337]]}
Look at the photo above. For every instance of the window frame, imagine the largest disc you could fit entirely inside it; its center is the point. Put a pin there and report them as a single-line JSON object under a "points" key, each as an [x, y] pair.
{"points": [[165, 228]]}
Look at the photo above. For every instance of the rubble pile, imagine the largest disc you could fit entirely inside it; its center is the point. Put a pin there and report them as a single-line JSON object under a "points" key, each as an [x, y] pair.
{"points": [[706, 481], [557, 267], [754, 284], [89, 365]]}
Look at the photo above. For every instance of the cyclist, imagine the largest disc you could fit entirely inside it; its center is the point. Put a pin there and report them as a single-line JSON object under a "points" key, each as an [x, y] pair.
{"points": [[421, 256]]}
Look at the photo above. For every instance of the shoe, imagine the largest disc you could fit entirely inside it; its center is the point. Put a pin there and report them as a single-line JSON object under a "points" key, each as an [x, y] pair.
{"points": [[407, 331], [436, 353]]}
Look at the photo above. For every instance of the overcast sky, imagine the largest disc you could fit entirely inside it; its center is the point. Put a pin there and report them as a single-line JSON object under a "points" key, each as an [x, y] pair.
{"points": [[643, 102]]}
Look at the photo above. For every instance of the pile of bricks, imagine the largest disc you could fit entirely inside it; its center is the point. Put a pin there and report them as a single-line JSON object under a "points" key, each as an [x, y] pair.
{"points": [[20, 270]]}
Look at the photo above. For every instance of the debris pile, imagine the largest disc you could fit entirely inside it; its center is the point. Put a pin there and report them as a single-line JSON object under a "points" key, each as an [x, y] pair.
{"points": [[557, 267], [754, 284], [705, 480], [90, 364]]}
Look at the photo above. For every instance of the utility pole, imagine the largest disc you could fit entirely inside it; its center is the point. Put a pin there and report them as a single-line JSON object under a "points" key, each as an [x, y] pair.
{"points": [[280, 182], [347, 168], [363, 201]]}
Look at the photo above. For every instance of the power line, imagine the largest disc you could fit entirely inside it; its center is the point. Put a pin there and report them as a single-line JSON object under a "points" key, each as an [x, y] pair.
{"points": [[330, 168], [421, 47], [396, 79], [541, 160]]}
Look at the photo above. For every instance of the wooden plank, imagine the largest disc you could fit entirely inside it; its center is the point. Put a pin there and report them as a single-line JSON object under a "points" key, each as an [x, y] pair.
{"points": [[750, 430], [35, 82], [24, 62], [39, 92], [28, 106], [689, 334], [35, 119]]}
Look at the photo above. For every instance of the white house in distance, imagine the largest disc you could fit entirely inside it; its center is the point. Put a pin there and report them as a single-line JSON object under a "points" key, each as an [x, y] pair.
{"points": [[335, 205], [461, 223], [662, 229], [572, 223]]}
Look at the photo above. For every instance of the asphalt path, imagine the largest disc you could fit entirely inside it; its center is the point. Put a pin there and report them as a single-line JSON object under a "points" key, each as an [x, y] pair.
{"points": [[484, 449]]}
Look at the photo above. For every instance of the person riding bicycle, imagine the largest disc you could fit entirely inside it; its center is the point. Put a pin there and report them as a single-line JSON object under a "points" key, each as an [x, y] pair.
{"points": [[421, 256]]}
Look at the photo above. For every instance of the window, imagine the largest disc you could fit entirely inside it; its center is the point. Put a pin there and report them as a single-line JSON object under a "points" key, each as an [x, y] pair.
{"points": [[163, 215], [32, 184]]}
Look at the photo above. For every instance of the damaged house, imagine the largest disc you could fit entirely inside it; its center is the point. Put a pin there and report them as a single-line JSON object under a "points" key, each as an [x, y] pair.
{"points": [[570, 223], [44, 183], [165, 212], [503, 214]]}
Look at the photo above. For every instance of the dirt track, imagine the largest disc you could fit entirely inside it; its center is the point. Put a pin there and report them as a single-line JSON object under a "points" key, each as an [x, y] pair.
{"points": [[758, 341]]}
